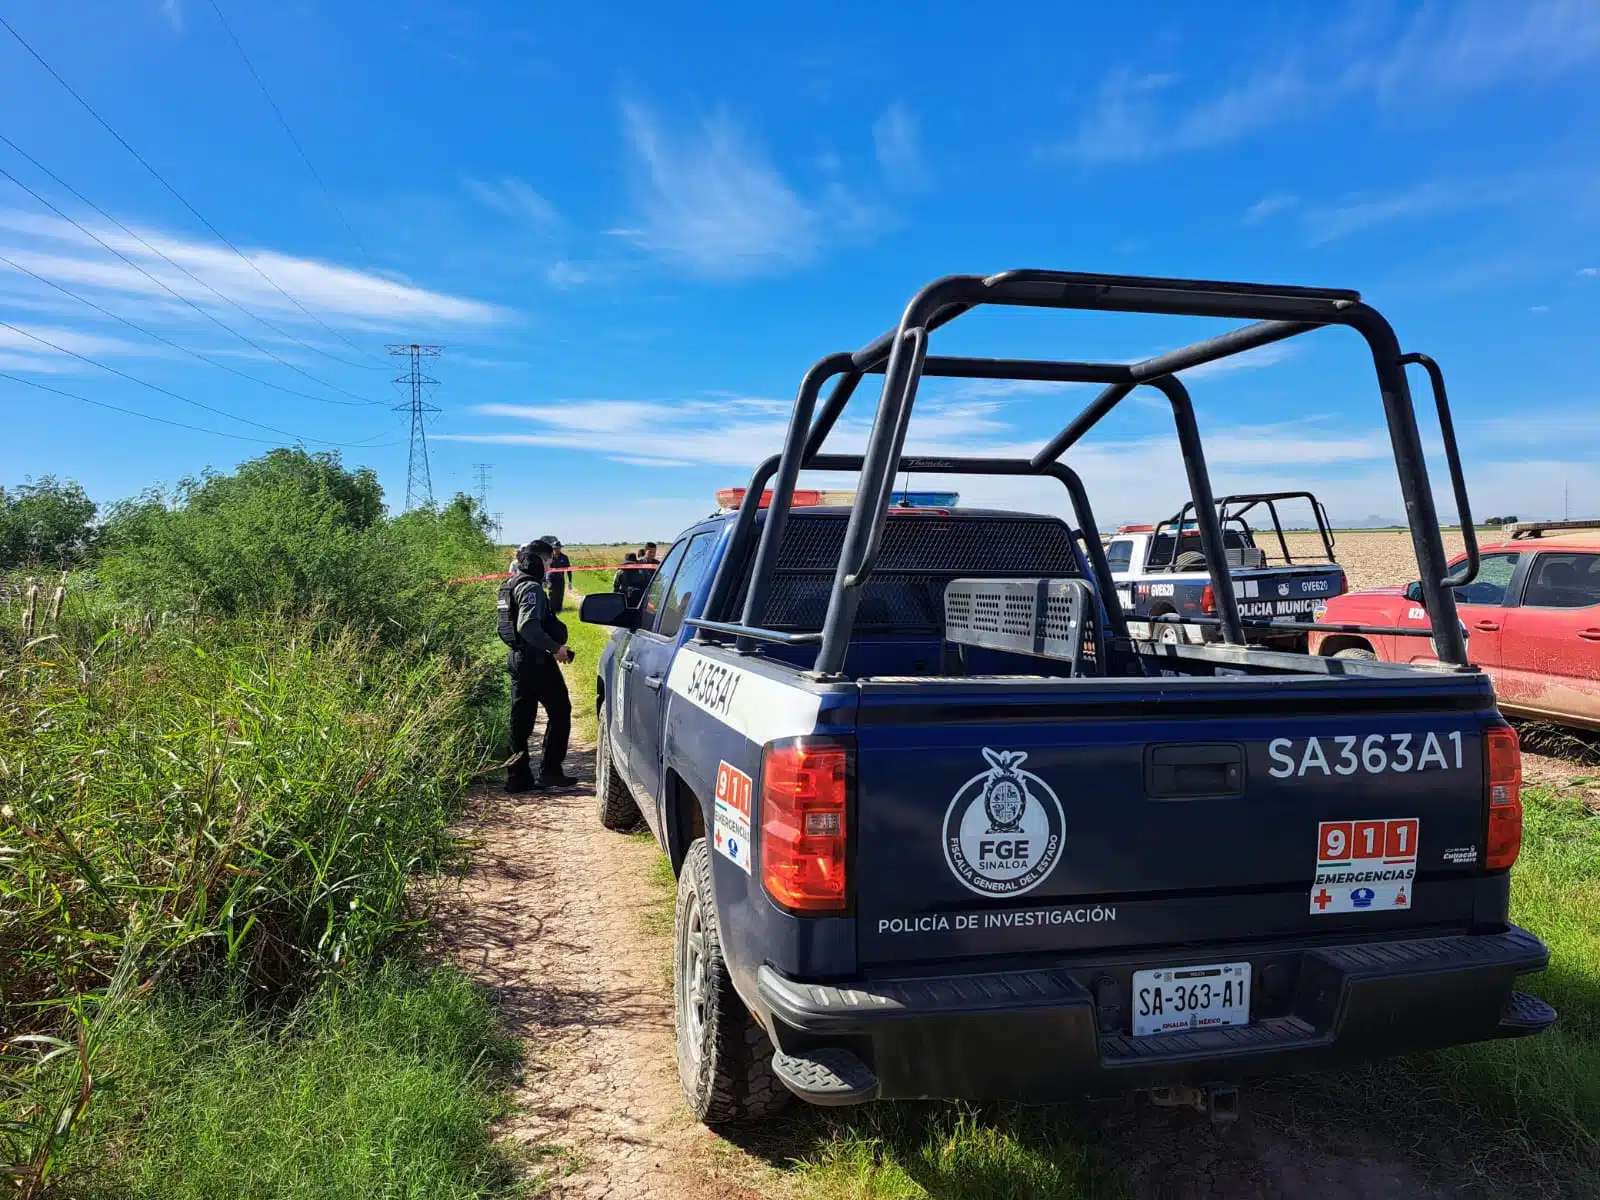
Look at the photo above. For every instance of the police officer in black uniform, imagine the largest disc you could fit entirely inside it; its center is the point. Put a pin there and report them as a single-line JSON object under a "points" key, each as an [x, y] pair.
{"points": [[629, 581], [558, 575], [537, 641]]}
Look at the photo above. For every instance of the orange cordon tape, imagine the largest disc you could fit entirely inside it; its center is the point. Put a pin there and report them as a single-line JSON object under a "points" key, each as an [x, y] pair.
{"points": [[557, 571]]}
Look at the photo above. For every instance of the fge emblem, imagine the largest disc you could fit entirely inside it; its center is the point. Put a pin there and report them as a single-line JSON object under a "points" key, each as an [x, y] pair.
{"points": [[1004, 828]]}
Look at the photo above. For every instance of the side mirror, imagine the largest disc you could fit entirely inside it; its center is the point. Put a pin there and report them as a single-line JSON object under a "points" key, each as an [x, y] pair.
{"points": [[608, 608], [1413, 592]]}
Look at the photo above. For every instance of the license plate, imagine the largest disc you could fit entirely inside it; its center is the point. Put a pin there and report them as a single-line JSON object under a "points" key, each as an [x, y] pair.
{"points": [[1175, 998]]}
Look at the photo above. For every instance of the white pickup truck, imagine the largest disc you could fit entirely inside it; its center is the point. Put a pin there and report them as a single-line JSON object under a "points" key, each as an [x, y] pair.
{"points": [[1160, 571]]}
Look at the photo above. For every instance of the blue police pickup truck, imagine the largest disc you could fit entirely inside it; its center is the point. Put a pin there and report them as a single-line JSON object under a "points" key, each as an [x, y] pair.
{"points": [[1160, 571], [944, 828]]}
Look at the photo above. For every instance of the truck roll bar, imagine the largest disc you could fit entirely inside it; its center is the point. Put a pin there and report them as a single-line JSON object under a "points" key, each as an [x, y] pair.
{"points": [[901, 356]]}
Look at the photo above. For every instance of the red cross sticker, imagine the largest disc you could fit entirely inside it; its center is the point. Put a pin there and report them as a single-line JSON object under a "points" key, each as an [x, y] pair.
{"points": [[1322, 900]]}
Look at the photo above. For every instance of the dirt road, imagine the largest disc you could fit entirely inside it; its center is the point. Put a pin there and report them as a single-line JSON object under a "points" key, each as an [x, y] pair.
{"points": [[555, 916]]}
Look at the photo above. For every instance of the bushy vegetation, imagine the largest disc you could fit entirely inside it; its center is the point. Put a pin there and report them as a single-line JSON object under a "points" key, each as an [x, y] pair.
{"points": [[218, 771], [293, 533], [45, 523]]}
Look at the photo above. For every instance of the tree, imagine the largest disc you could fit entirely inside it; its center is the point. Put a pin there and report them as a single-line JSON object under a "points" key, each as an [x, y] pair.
{"points": [[45, 523]]}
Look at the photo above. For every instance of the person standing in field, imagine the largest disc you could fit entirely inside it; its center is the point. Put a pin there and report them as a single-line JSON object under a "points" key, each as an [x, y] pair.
{"points": [[559, 562], [537, 645], [629, 580]]}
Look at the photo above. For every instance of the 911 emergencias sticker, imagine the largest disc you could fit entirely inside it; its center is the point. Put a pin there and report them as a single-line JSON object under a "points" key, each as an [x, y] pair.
{"points": [[731, 817], [1365, 866]]}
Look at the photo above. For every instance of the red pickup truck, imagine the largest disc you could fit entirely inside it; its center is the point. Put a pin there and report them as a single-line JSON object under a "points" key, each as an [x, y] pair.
{"points": [[1532, 617]]}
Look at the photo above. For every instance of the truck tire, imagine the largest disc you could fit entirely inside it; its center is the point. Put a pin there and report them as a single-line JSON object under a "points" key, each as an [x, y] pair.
{"points": [[724, 1056], [613, 802], [1190, 560], [1356, 652]]}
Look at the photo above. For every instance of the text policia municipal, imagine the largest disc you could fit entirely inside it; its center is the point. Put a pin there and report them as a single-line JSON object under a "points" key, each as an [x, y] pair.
{"points": [[941, 922]]}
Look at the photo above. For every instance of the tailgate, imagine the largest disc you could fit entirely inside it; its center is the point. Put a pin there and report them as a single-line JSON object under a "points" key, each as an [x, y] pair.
{"points": [[1078, 815], [1287, 593]]}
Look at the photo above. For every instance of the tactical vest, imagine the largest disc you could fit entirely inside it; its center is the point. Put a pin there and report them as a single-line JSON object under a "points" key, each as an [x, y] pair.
{"points": [[506, 613], [506, 610]]}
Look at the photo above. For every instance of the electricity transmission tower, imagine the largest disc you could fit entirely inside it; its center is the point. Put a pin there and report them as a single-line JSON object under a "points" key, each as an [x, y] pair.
{"points": [[482, 471], [419, 480]]}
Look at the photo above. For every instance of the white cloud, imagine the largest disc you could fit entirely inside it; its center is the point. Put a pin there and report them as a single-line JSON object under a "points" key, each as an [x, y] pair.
{"points": [[564, 274], [1358, 213], [1464, 47], [634, 460], [1441, 51], [511, 197], [1590, 272], [44, 363], [1546, 425], [70, 341], [712, 203], [1251, 360], [1268, 206], [1349, 467], [172, 10], [897, 137], [339, 295]]}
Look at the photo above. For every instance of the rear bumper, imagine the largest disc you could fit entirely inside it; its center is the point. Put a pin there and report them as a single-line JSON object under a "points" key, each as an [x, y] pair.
{"points": [[1058, 1033]]}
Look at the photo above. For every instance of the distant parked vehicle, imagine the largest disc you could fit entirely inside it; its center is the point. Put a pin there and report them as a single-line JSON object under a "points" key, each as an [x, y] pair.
{"points": [[1532, 618], [1161, 572]]}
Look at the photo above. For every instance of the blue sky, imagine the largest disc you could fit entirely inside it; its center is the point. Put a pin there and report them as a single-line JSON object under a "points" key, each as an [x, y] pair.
{"points": [[633, 229]]}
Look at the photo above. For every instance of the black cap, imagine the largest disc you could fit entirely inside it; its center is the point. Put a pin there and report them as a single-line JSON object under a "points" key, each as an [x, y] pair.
{"points": [[528, 553]]}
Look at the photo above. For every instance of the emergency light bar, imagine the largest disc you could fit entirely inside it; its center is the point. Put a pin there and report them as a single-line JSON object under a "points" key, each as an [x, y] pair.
{"points": [[731, 498], [925, 499]]}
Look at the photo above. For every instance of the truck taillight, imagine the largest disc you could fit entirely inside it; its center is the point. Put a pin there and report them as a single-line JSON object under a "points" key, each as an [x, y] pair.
{"points": [[1505, 798], [803, 792], [1208, 600]]}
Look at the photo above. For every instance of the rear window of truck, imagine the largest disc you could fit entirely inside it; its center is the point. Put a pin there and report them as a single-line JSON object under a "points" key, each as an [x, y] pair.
{"points": [[921, 553]]}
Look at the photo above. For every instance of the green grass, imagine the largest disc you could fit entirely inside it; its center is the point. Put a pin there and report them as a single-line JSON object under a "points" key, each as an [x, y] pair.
{"points": [[377, 1087], [249, 798], [587, 642], [1547, 1089], [913, 1151]]}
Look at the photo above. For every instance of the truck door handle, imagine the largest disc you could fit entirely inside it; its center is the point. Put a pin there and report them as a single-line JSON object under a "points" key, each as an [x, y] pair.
{"points": [[1589, 635], [653, 682], [1487, 626], [627, 664], [1186, 771]]}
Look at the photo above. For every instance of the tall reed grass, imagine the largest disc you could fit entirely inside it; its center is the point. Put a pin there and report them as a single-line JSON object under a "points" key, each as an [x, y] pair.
{"points": [[237, 804]]}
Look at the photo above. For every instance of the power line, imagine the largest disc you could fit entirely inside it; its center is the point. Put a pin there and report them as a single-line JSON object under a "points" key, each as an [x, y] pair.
{"points": [[156, 387], [150, 333], [161, 283], [133, 412], [419, 479], [282, 120], [44, 387], [161, 179]]}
